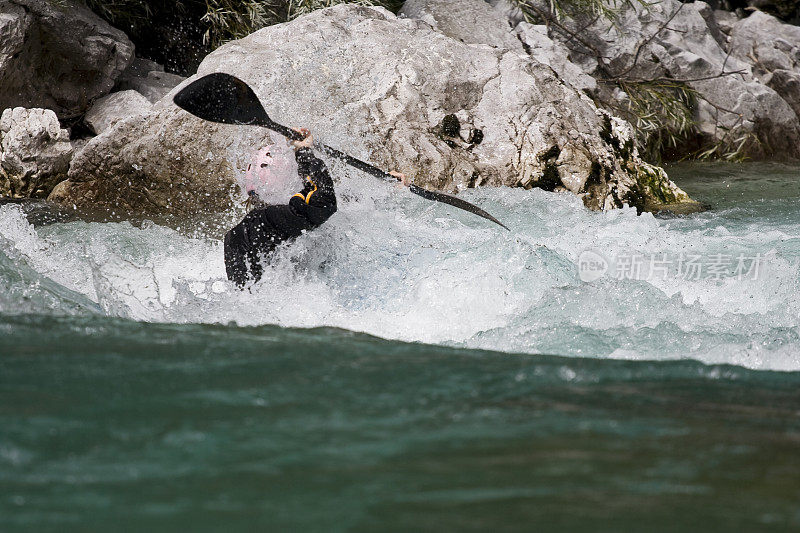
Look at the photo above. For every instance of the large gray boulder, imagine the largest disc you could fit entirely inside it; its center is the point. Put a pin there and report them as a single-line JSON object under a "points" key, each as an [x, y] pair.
{"points": [[388, 90], [57, 55], [34, 152], [773, 50]]}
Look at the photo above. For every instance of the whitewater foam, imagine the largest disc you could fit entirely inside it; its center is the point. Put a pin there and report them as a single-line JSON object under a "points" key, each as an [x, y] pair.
{"points": [[393, 265]]}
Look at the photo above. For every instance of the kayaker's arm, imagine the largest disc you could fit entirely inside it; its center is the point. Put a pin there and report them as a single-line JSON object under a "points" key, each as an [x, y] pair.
{"points": [[317, 200]]}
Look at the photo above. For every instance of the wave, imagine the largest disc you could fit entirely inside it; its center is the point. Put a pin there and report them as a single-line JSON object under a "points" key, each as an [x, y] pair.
{"points": [[394, 266]]}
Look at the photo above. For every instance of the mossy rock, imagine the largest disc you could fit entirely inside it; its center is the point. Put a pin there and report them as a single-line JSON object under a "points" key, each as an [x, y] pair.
{"points": [[658, 193]]}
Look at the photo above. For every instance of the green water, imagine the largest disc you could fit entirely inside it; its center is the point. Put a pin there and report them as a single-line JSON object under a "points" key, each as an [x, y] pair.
{"points": [[131, 400], [117, 425]]}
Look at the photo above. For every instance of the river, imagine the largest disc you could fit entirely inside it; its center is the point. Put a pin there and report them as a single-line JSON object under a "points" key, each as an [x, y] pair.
{"points": [[408, 367]]}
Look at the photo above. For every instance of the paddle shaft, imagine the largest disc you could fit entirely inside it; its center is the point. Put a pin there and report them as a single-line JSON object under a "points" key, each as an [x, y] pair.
{"points": [[333, 152], [378, 173]]}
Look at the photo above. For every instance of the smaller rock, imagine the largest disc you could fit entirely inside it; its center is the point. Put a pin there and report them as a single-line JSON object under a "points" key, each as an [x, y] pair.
{"points": [[78, 144], [154, 86], [787, 84], [509, 10], [109, 110], [36, 152]]}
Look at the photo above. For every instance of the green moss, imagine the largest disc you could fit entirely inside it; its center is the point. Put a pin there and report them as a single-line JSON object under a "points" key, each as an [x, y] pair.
{"points": [[656, 184]]}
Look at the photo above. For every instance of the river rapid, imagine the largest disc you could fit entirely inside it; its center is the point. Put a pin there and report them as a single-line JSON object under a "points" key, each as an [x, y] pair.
{"points": [[411, 367], [719, 287]]}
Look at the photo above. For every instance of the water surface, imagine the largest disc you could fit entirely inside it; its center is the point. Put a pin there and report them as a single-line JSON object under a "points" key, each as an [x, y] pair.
{"points": [[406, 367]]}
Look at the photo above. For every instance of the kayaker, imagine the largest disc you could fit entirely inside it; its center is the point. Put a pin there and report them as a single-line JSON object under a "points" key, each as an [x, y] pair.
{"points": [[266, 226]]}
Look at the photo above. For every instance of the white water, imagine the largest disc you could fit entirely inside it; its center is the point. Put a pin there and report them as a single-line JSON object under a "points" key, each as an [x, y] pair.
{"points": [[399, 267]]}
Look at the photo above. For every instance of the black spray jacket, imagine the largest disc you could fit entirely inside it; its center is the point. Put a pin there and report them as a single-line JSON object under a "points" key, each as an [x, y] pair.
{"points": [[263, 228]]}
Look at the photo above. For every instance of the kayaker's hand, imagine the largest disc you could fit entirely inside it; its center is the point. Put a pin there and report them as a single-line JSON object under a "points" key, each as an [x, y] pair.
{"points": [[402, 178], [308, 139]]}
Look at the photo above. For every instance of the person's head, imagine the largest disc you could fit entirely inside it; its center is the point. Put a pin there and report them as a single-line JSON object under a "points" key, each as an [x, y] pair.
{"points": [[258, 170], [270, 171]]}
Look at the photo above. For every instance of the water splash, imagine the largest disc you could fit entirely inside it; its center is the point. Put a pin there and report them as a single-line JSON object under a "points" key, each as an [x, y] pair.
{"points": [[392, 265]]}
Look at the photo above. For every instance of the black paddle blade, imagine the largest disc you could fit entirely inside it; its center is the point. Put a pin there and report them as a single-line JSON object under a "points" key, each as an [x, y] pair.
{"points": [[223, 98], [455, 202]]}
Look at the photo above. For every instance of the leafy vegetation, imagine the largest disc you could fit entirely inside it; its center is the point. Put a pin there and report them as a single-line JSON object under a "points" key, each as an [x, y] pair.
{"points": [[225, 20], [661, 115]]}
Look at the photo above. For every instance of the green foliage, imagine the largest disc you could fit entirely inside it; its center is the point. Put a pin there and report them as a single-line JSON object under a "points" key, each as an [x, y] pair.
{"points": [[125, 12], [661, 115], [233, 19], [297, 8], [603, 8], [733, 146], [660, 110]]}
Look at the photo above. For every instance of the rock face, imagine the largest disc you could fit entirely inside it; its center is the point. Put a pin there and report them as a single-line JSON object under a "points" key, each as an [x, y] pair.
{"points": [[739, 106], [673, 41], [35, 152], [469, 22], [112, 108], [555, 55], [58, 56], [387, 90], [774, 50]]}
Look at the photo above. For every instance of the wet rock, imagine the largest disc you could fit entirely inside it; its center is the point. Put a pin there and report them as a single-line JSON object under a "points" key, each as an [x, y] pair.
{"points": [[773, 50], [139, 68], [164, 165], [58, 56], [378, 87], [34, 152], [112, 108], [154, 85]]}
